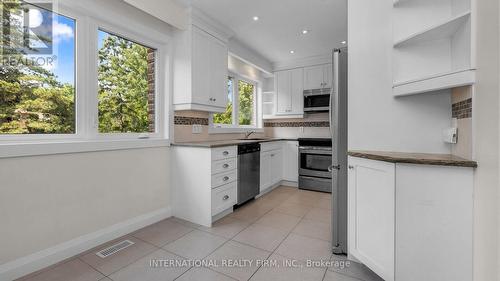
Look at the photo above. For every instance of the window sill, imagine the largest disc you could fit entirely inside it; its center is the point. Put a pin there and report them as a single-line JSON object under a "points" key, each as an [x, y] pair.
{"points": [[22, 149]]}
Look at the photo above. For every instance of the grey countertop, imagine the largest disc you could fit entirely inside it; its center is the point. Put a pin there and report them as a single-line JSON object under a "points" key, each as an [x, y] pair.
{"points": [[222, 143], [415, 158]]}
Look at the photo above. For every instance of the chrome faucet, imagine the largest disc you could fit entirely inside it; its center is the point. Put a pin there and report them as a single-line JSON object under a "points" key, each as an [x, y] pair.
{"points": [[247, 134]]}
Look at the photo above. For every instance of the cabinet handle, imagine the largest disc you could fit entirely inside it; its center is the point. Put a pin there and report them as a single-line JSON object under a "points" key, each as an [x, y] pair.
{"points": [[215, 99], [272, 155], [225, 197], [225, 153], [350, 167], [225, 166], [226, 178]]}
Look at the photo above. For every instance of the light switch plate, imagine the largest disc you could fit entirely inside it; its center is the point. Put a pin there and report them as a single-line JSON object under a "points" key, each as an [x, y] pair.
{"points": [[197, 129]]}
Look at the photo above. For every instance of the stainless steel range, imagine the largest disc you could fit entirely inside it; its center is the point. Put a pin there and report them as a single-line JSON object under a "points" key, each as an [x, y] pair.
{"points": [[315, 160]]}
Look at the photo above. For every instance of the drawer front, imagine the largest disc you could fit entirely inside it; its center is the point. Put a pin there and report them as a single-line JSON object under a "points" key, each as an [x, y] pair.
{"points": [[223, 165], [273, 145], [223, 178], [224, 153], [223, 198]]}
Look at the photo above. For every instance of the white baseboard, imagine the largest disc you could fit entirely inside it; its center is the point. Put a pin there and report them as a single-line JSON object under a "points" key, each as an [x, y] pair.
{"points": [[289, 183], [60, 252]]}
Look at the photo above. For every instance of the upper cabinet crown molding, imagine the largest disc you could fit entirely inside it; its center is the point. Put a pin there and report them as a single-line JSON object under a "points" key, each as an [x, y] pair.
{"points": [[303, 62], [211, 26]]}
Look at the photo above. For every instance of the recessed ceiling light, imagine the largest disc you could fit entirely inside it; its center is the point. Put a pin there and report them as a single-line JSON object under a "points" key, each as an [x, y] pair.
{"points": [[255, 18], [343, 42], [292, 52], [305, 31]]}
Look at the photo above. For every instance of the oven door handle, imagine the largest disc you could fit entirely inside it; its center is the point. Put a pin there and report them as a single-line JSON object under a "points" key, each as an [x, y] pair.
{"points": [[315, 151]]}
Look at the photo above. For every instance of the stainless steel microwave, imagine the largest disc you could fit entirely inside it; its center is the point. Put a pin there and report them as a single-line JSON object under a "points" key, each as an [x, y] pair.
{"points": [[317, 100]]}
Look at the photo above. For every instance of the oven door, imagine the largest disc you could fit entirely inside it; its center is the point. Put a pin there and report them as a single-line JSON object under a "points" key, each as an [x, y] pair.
{"points": [[315, 162]]}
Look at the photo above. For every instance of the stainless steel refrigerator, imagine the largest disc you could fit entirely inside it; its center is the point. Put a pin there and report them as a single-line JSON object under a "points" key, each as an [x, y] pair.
{"points": [[338, 130]]}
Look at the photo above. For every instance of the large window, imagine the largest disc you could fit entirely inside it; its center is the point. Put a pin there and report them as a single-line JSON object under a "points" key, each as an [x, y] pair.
{"points": [[241, 110], [126, 85], [37, 71], [65, 75]]}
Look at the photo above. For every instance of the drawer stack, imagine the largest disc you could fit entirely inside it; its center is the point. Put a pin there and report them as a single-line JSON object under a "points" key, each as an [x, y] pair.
{"points": [[224, 178]]}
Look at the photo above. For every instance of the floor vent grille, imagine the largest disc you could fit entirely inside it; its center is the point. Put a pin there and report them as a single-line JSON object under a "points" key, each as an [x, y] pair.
{"points": [[114, 249]]}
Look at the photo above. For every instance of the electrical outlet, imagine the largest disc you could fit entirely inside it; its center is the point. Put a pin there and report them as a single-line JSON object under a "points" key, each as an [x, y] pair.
{"points": [[197, 129]]}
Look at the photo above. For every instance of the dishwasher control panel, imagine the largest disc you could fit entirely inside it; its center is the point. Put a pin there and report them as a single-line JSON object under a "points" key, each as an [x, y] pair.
{"points": [[248, 148]]}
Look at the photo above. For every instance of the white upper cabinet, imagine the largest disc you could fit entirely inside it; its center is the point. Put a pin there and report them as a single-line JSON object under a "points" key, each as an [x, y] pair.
{"points": [[283, 91], [289, 92], [318, 77], [328, 75], [313, 77], [218, 76], [200, 71]]}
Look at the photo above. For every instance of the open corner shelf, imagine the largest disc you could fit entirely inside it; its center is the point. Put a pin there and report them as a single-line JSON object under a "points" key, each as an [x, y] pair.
{"points": [[442, 30], [436, 82]]}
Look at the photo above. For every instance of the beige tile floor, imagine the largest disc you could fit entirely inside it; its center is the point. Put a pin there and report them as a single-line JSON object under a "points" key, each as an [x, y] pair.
{"points": [[286, 224]]}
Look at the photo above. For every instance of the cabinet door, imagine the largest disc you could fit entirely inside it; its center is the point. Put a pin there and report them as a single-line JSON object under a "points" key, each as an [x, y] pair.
{"points": [[297, 86], [283, 92], [371, 214], [265, 170], [218, 73], [201, 67], [313, 77], [291, 161], [327, 75], [277, 166]]}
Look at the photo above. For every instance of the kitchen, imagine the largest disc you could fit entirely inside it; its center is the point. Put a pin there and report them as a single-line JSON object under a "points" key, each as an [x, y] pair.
{"points": [[327, 140]]}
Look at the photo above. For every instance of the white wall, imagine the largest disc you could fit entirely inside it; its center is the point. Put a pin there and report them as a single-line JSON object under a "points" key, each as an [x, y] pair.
{"points": [[49, 200], [486, 142], [55, 206], [377, 120]]}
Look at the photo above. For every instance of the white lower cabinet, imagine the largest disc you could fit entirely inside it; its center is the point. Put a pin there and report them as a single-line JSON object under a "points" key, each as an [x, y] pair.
{"points": [[271, 164], [291, 161], [371, 215], [410, 222], [204, 182], [224, 197]]}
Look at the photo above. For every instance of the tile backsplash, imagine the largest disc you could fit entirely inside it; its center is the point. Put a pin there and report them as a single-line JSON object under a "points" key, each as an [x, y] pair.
{"points": [[461, 109], [311, 126]]}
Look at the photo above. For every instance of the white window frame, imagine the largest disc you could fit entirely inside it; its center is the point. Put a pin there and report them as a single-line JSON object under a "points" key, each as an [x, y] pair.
{"points": [[89, 19], [235, 127]]}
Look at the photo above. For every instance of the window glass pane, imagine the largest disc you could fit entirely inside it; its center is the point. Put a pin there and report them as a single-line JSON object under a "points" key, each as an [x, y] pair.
{"points": [[37, 70], [246, 103], [126, 85], [226, 118]]}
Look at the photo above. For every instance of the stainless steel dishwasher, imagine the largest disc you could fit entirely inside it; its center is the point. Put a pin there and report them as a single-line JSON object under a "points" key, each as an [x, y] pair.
{"points": [[248, 171]]}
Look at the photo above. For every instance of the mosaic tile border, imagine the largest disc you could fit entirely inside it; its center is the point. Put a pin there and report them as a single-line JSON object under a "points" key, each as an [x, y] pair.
{"points": [[182, 120], [311, 124], [462, 109]]}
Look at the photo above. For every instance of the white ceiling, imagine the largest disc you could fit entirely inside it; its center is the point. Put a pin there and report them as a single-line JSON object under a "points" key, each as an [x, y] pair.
{"points": [[278, 30]]}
